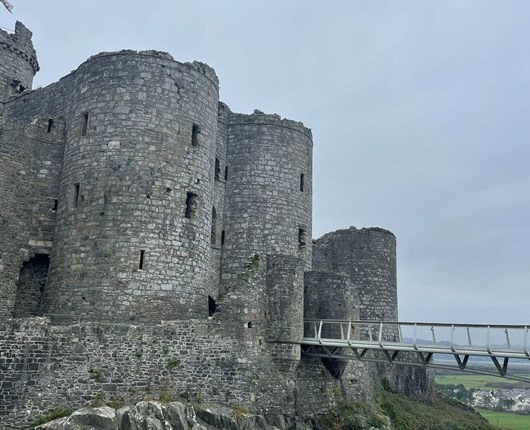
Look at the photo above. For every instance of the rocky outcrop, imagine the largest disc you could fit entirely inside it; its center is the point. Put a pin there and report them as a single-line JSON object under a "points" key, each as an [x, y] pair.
{"points": [[149, 415]]}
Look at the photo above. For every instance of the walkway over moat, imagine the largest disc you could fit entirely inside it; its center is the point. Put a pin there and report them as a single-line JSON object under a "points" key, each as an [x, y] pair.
{"points": [[473, 348]]}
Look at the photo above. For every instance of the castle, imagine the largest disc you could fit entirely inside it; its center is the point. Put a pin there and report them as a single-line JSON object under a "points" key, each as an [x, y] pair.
{"points": [[144, 223]]}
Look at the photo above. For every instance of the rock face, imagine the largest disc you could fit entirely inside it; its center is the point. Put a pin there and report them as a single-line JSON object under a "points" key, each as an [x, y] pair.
{"points": [[173, 416]]}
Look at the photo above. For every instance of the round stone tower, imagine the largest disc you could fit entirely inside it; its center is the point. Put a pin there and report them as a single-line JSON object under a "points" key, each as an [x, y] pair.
{"points": [[135, 207], [268, 191], [368, 256], [267, 224], [18, 61]]}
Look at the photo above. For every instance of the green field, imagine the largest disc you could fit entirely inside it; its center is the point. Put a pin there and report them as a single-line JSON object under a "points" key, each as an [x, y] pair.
{"points": [[505, 420], [470, 381]]}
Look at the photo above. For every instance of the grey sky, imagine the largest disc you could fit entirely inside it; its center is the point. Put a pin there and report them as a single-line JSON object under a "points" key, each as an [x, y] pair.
{"points": [[419, 109]]}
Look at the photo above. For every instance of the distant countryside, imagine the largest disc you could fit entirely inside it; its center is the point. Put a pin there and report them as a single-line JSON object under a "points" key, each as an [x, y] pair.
{"points": [[504, 403]]}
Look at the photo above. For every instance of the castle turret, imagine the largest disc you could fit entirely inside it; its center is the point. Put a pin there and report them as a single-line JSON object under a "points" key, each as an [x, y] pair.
{"points": [[18, 62], [368, 256], [268, 191], [135, 207], [267, 224]]}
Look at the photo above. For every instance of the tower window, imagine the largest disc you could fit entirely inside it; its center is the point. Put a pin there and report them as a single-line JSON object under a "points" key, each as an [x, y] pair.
{"points": [[142, 259], [84, 124], [302, 182], [17, 87], [195, 131], [222, 238], [191, 205], [214, 227], [55, 205], [77, 188], [301, 238], [50, 125], [226, 173], [217, 169], [212, 306]]}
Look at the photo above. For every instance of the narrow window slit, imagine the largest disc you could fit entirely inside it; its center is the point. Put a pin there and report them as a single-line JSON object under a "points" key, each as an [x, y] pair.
{"points": [[217, 169], [84, 125], [195, 131], [76, 194], [55, 205], [301, 238], [226, 173], [212, 306], [142, 259], [222, 238], [302, 182], [50, 125], [191, 205], [213, 239]]}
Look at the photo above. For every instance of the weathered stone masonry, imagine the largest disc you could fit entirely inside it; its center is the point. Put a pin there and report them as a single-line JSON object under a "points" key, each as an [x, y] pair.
{"points": [[151, 241]]}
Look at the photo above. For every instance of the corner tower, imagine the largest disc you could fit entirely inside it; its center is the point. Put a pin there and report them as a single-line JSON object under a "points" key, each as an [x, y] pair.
{"points": [[18, 62], [135, 204], [269, 190], [368, 256], [267, 226]]}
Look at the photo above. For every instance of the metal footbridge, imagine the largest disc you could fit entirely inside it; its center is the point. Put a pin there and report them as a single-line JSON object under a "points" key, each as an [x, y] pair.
{"points": [[474, 348]]}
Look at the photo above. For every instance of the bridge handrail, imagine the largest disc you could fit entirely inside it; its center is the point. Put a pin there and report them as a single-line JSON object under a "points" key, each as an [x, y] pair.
{"points": [[383, 341], [391, 333], [429, 324]]}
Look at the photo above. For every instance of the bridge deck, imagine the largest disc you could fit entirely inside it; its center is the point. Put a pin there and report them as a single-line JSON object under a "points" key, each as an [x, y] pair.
{"points": [[411, 343]]}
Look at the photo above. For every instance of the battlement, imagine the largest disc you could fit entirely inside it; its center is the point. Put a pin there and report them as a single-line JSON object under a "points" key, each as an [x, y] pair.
{"points": [[20, 42], [260, 118], [202, 68], [354, 231]]}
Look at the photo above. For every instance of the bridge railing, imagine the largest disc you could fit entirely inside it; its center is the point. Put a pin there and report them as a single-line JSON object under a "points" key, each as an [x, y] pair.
{"points": [[466, 339]]}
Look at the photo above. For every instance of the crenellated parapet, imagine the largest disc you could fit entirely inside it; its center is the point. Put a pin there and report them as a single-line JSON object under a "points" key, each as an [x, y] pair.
{"points": [[18, 61], [260, 118]]}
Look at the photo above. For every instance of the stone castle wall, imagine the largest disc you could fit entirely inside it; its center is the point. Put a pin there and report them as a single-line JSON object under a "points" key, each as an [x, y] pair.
{"points": [[46, 366], [29, 178]]}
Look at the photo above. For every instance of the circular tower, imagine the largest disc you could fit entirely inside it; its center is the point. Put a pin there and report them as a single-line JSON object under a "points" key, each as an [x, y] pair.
{"points": [[18, 61], [135, 208], [267, 217], [368, 256], [268, 201]]}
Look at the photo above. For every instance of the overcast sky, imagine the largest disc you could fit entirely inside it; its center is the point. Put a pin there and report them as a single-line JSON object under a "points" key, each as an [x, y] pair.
{"points": [[420, 112]]}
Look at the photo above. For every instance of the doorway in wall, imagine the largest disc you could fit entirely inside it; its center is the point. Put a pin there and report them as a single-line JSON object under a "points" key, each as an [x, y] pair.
{"points": [[30, 286]]}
